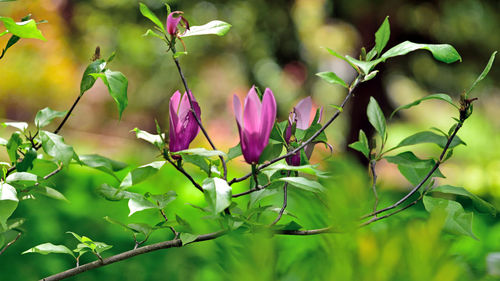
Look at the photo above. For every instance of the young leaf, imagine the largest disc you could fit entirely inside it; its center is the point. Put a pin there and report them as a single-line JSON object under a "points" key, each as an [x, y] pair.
{"points": [[361, 145], [145, 11], [483, 74], [22, 178], [139, 204], [441, 52], [140, 174], [365, 66], [479, 204], [217, 194], [382, 36], [376, 118], [234, 152], [8, 202], [201, 152], [22, 126], [457, 220], [27, 162], [333, 53], [150, 32], [54, 146], [187, 238], [49, 192], [332, 78], [282, 166], [49, 248], [14, 142], [271, 151], [24, 29], [89, 80], [216, 27], [162, 200], [429, 137], [153, 139], [46, 115], [443, 97], [199, 161], [117, 85], [304, 183]]}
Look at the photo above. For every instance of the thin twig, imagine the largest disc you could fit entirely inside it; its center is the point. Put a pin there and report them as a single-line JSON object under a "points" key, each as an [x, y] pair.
{"points": [[180, 169], [251, 190], [353, 86], [10, 243], [285, 200], [184, 81]]}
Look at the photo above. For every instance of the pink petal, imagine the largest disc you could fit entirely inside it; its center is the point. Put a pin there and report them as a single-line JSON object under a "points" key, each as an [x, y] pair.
{"points": [[184, 107], [268, 116], [303, 113], [174, 119], [237, 109], [172, 22], [251, 112]]}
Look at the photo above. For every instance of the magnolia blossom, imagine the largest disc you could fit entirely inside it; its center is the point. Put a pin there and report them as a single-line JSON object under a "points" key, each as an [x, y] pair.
{"points": [[255, 123], [183, 125], [173, 20], [301, 116]]}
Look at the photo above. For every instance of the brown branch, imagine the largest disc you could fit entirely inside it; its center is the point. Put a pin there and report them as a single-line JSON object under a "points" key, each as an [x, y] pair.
{"points": [[353, 86], [10, 243], [374, 183], [285, 200], [251, 190], [184, 81], [180, 169]]}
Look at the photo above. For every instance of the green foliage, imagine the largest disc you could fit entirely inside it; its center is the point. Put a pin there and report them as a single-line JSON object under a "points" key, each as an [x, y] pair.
{"points": [[88, 80], [8, 202], [362, 144], [117, 85], [146, 12], [103, 164], [156, 140], [457, 220], [140, 174], [479, 204], [429, 137], [413, 168], [483, 74], [49, 248], [24, 29], [54, 146], [304, 184], [217, 194], [443, 97], [332, 78], [46, 115], [376, 118]]}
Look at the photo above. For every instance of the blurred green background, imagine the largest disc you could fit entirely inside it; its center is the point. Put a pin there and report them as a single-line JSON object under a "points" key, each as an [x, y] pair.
{"points": [[275, 44]]}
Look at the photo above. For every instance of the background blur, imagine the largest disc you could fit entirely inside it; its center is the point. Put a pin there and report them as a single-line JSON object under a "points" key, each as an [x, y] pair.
{"points": [[276, 44]]}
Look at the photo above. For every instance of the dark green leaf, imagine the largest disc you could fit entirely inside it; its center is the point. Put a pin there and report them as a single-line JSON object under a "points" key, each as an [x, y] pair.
{"points": [[429, 137], [332, 78], [413, 168], [49, 248], [145, 11], [102, 163], [217, 194], [382, 36], [12, 145], [457, 220], [271, 151], [479, 204], [27, 162], [443, 97], [214, 27], [234, 152], [376, 118], [54, 146], [89, 80], [117, 85], [483, 74], [46, 115]]}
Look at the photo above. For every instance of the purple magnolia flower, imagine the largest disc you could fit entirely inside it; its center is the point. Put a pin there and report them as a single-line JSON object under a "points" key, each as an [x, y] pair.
{"points": [[255, 123], [183, 125], [173, 20], [301, 116]]}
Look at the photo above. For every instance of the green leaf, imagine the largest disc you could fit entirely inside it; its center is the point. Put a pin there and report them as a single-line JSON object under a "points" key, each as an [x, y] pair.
{"points": [[162, 200], [479, 204], [361, 145], [234, 152], [457, 220], [332, 78], [413, 168], [12, 41], [27, 162], [140, 174], [101, 247], [103, 164], [382, 36], [88, 80], [140, 204], [283, 166], [150, 32], [113, 194], [214, 27], [441, 52], [370, 76], [333, 53], [49, 192], [12, 145], [187, 238], [304, 184], [271, 151], [54, 146], [429, 137], [117, 85], [153, 139], [217, 194], [199, 161], [46, 115], [179, 54], [22, 178], [376, 118], [365, 66], [443, 97], [8, 202], [22, 126], [145, 11], [201, 152], [290, 226], [24, 29], [483, 74], [49, 248]]}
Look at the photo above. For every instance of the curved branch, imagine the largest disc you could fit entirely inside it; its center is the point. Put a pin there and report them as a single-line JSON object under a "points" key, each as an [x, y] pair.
{"points": [[353, 86]]}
